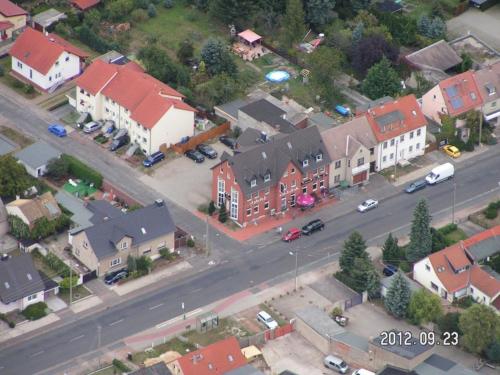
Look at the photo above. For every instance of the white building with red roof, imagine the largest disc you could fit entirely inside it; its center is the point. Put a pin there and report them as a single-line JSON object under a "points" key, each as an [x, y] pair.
{"points": [[455, 272], [45, 60], [399, 127], [12, 19], [153, 113]]}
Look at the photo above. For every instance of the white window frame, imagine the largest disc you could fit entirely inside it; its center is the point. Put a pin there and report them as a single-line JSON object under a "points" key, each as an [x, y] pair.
{"points": [[305, 162], [115, 262]]}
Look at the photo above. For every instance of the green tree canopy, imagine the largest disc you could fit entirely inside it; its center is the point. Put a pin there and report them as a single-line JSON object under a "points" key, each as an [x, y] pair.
{"points": [[319, 12], [365, 277], [391, 252], [14, 179], [160, 66], [480, 326], [398, 296], [325, 64], [424, 307], [217, 58], [354, 247], [58, 168], [294, 28], [420, 236], [237, 12], [185, 52], [381, 80]]}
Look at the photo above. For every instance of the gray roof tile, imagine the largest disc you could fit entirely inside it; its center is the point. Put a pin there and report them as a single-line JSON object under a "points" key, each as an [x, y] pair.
{"points": [[37, 154], [265, 111], [19, 278]]}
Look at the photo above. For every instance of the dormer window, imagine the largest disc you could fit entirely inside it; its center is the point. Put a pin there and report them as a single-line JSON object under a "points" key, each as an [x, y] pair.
{"points": [[253, 183], [319, 157], [124, 245], [305, 163], [267, 177]]}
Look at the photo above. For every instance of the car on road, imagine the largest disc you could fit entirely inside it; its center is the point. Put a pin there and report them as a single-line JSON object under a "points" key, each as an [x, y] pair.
{"points": [[207, 150], [195, 156], [415, 186], [313, 226], [292, 234], [91, 127], [57, 130], [116, 276], [153, 159], [228, 141], [452, 151], [368, 205], [267, 320], [389, 270]]}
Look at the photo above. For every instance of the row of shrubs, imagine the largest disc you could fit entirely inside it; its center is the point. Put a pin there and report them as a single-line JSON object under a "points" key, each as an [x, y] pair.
{"points": [[4, 317], [83, 171], [36, 311], [54, 263], [491, 212]]}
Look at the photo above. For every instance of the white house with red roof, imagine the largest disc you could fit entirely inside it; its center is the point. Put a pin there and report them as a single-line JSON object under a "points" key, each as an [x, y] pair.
{"points": [[453, 96], [45, 60], [455, 272], [399, 127], [12, 19], [153, 113]]}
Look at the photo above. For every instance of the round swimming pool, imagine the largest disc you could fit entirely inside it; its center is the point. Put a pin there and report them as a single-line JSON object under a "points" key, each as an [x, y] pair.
{"points": [[278, 76]]}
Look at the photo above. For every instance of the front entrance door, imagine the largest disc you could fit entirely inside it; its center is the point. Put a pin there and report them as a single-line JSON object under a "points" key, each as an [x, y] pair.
{"points": [[372, 167]]}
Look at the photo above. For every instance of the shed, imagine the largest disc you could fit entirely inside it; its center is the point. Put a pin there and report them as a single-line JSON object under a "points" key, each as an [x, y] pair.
{"points": [[36, 157], [43, 20], [438, 55], [386, 283]]}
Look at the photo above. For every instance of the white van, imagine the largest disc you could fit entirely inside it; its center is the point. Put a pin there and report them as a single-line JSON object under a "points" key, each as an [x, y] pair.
{"points": [[91, 127], [267, 320], [336, 363], [440, 173], [362, 371]]}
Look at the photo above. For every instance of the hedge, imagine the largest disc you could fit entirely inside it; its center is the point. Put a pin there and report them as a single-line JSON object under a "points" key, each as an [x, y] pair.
{"points": [[35, 311], [11, 323], [120, 365], [83, 171]]}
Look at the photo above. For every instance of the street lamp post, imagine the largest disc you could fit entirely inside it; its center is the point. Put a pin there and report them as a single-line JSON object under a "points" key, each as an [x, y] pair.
{"points": [[183, 314], [396, 163], [296, 253], [453, 203]]}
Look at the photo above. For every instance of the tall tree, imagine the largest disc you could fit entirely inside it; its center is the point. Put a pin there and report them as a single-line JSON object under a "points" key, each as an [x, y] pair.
{"points": [[370, 50], [424, 307], [381, 80], [13, 177], [358, 5], [237, 12], [365, 277], [294, 28], [217, 58], [185, 52], [434, 28], [357, 32], [398, 296], [391, 252], [325, 65], [57, 168], [420, 236], [319, 12], [354, 247], [160, 66], [480, 326]]}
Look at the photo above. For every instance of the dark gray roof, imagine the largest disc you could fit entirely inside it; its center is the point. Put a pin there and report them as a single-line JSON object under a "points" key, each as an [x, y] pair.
{"points": [[387, 119], [157, 369], [231, 109], [485, 248], [6, 145], [101, 210], [36, 155], [437, 365], [389, 370], [372, 104], [265, 111], [439, 55], [19, 278], [245, 370], [387, 282], [272, 157], [353, 340], [319, 320], [409, 352], [141, 225]]}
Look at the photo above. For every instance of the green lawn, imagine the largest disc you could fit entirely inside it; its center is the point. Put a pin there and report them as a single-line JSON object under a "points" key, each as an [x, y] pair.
{"points": [[18, 138], [175, 345], [8, 80], [79, 292], [227, 327], [455, 236]]}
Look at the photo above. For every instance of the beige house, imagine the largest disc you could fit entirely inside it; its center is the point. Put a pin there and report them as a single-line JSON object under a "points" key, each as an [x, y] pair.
{"points": [[488, 82], [12, 19], [351, 148], [105, 246], [31, 210]]}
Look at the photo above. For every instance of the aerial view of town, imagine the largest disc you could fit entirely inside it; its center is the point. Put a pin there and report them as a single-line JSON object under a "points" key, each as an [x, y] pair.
{"points": [[249, 187]]}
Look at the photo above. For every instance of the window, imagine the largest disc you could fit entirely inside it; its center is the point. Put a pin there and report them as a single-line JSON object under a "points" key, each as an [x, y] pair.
{"points": [[266, 205], [305, 163], [292, 200], [293, 184], [321, 183], [402, 138], [253, 183], [427, 267], [82, 91], [85, 245], [282, 188], [256, 209], [19, 65], [67, 58], [50, 78], [410, 149], [266, 192], [348, 163], [292, 171], [417, 146], [384, 158], [392, 142], [57, 63], [336, 179], [267, 177], [304, 190], [434, 286], [411, 135], [361, 161], [124, 245], [419, 131], [116, 262], [249, 211], [315, 186], [144, 139], [372, 151], [32, 297], [337, 164], [391, 156], [385, 144], [319, 157], [221, 197]]}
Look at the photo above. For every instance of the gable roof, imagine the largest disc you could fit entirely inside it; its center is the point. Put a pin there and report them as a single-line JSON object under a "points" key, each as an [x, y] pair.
{"points": [[345, 139], [438, 55], [396, 117], [274, 156], [40, 51], [147, 98], [19, 278], [488, 82], [159, 368], [9, 9], [141, 226], [33, 209], [38, 154], [460, 93], [249, 35], [264, 111], [483, 244], [214, 359], [85, 4]]}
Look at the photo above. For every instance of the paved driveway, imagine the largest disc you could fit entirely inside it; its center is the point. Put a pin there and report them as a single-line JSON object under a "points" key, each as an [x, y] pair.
{"points": [[484, 25], [184, 181]]}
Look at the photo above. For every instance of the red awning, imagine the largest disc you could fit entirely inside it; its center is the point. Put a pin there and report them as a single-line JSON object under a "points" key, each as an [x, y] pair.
{"points": [[305, 200], [5, 25]]}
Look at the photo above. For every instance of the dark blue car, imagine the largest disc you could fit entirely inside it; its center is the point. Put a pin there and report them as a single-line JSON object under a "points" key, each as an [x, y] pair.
{"points": [[57, 130], [153, 159], [415, 186], [389, 270]]}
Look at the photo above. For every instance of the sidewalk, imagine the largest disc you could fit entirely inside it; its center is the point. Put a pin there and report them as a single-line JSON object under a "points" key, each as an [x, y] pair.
{"points": [[28, 326]]}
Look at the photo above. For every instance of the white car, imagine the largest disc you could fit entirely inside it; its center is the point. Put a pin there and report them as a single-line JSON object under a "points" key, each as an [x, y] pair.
{"points": [[267, 320], [368, 205]]}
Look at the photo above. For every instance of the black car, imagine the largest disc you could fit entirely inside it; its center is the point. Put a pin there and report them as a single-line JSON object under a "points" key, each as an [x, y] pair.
{"points": [[113, 277], [390, 270], [117, 143], [206, 150], [153, 159], [417, 185], [195, 155], [312, 227], [228, 141]]}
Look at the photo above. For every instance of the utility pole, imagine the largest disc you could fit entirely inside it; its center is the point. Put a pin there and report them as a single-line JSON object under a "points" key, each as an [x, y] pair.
{"points": [[183, 313], [396, 163], [70, 284], [207, 243], [99, 328], [453, 206], [480, 127], [296, 253]]}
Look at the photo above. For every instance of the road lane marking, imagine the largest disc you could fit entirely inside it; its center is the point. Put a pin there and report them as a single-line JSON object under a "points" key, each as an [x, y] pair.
{"points": [[37, 353], [196, 290], [156, 306], [76, 338], [118, 321], [173, 320]]}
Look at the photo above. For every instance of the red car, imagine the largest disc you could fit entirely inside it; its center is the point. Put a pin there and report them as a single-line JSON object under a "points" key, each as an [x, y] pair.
{"points": [[292, 234]]}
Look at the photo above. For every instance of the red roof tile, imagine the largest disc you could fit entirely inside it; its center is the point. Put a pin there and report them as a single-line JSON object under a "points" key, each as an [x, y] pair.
{"points": [[96, 76], [460, 93], [249, 35], [451, 281], [406, 116], [486, 283], [496, 303], [481, 236], [85, 4], [215, 359], [9, 9], [5, 25], [40, 51]]}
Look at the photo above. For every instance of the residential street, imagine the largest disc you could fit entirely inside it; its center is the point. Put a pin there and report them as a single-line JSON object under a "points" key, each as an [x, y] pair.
{"points": [[242, 266]]}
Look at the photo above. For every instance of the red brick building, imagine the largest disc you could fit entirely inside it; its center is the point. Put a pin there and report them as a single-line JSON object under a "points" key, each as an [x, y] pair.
{"points": [[266, 175]]}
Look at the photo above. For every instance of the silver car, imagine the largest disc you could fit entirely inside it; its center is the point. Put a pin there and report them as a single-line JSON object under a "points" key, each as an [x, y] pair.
{"points": [[368, 205]]}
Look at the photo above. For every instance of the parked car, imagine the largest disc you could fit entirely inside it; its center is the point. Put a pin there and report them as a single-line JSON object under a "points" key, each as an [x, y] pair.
{"points": [[153, 159], [228, 141], [292, 234], [452, 151], [116, 276], [313, 226], [415, 186], [267, 320], [207, 150], [362, 371], [118, 142], [440, 173], [368, 205], [389, 270], [336, 364], [91, 127], [108, 127], [57, 130], [195, 156]]}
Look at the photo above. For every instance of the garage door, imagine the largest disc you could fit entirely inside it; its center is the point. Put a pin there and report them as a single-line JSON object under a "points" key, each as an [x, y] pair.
{"points": [[360, 177]]}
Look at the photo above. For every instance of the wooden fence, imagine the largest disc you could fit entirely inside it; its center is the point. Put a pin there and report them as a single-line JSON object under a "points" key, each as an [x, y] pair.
{"points": [[216, 131]]}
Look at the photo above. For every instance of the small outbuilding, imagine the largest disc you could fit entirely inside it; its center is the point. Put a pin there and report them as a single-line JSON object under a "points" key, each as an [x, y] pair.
{"points": [[36, 157]]}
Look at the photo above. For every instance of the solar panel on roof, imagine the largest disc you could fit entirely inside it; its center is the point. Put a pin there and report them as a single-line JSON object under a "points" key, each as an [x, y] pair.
{"points": [[456, 102], [452, 91]]}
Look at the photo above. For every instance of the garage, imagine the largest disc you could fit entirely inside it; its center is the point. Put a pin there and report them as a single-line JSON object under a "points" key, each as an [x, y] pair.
{"points": [[360, 177]]}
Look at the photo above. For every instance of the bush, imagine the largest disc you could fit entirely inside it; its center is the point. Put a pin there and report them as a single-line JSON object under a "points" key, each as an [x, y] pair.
{"points": [[65, 283], [223, 214], [404, 266], [28, 89], [12, 324], [2, 71], [168, 4], [465, 302], [35, 311], [345, 279], [151, 10], [449, 323], [490, 212], [94, 41], [165, 253], [56, 264], [469, 146], [120, 365], [190, 242], [139, 15], [211, 208], [143, 264], [80, 170], [447, 229], [337, 311]]}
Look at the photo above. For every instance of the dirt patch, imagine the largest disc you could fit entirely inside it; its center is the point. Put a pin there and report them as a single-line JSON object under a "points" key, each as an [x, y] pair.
{"points": [[480, 219], [248, 320]]}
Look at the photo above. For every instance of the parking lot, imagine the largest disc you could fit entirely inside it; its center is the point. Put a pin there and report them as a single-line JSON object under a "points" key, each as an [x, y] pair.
{"points": [[184, 181]]}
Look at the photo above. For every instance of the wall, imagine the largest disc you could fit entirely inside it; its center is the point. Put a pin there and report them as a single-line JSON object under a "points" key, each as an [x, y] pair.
{"points": [[492, 108], [82, 253], [39, 298], [202, 137], [403, 148], [320, 342], [19, 22], [173, 126], [381, 357], [339, 172], [16, 211], [424, 277], [433, 103]]}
